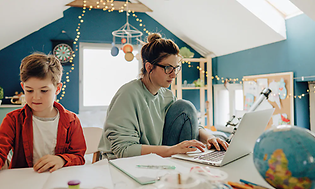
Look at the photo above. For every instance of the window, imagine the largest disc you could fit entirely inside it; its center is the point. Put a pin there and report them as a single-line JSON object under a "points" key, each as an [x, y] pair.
{"points": [[102, 74], [312, 105], [285, 7], [227, 102]]}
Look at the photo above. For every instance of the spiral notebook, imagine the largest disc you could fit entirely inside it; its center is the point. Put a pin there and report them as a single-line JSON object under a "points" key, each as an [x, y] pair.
{"points": [[146, 169]]}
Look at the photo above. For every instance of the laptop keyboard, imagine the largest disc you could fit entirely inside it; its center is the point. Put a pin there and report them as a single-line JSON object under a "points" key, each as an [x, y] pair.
{"points": [[212, 156]]}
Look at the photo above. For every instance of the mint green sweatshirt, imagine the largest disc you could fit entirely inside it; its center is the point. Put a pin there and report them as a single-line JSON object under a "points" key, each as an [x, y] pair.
{"points": [[134, 117]]}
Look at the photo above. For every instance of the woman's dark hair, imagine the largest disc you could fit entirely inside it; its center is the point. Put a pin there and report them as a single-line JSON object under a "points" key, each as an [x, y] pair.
{"points": [[156, 50]]}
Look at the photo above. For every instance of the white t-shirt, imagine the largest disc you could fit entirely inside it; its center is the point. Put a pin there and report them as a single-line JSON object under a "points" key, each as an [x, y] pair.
{"points": [[44, 136]]}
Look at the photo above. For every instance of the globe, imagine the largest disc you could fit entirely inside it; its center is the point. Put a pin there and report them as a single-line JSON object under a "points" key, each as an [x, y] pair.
{"points": [[284, 156]]}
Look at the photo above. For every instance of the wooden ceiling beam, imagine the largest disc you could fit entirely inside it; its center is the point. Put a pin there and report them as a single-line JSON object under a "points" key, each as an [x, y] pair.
{"points": [[117, 5]]}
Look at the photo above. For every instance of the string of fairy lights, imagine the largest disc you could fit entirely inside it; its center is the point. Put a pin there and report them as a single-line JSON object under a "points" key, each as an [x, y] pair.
{"points": [[108, 5], [75, 44]]}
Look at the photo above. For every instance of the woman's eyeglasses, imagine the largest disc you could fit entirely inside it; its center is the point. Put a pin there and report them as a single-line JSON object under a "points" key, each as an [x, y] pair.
{"points": [[169, 69]]}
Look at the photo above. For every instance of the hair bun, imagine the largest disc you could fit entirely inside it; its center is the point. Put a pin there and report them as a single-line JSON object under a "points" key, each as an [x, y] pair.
{"points": [[153, 37]]}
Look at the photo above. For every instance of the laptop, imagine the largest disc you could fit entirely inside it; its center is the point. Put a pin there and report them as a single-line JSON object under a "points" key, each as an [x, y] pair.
{"points": [[251, 126]]}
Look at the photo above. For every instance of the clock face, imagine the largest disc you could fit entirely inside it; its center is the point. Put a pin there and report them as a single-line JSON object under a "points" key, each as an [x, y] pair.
{"points": [[63, 52]]}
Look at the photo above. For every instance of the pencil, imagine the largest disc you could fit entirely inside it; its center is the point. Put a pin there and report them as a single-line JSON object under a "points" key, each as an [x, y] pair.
{"points": [[239, 185], [255, 186]]}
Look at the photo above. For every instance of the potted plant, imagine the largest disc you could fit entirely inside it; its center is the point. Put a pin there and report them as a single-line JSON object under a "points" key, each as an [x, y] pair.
{"points": [[1, 95]]}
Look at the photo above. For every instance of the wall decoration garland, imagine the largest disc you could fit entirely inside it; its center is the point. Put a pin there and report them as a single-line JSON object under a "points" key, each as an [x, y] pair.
{"points": [[75, 49], [109, 6]]}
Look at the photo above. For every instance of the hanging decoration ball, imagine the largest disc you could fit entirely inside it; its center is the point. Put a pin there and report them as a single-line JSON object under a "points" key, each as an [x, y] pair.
{"points": [[113, 43], [129, 56], [114, 51], [138, 56], [127, 48], [123, 40]]}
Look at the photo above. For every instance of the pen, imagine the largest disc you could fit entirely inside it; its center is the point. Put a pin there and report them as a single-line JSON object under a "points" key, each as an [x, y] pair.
{"points": [[256, 186], [156, 166]]}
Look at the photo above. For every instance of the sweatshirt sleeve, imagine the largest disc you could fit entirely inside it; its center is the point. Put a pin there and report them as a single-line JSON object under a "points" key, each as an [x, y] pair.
{"points": [[122, 126], [73, 152], [7, 135]]}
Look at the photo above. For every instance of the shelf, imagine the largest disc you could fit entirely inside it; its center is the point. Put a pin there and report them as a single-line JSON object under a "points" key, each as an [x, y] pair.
{"points": [[202, 60], [204, 64], [192, 88], [11, 106]]}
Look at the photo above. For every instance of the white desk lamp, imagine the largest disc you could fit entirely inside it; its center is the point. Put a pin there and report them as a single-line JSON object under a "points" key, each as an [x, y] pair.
{"points": [[263, 96]]}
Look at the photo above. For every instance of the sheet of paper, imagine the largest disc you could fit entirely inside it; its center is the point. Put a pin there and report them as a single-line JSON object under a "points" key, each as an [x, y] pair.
{"points": [[143, 175], [91, 176], [251, 88], [25, 178], [262, 83]]}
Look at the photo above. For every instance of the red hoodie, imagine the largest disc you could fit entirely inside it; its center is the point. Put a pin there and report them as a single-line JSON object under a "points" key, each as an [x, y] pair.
{"points": [[16, 133]]}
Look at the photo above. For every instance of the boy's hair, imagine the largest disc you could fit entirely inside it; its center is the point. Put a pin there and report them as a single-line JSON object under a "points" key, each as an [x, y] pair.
{"points": [[41, 66], [156, 50]]}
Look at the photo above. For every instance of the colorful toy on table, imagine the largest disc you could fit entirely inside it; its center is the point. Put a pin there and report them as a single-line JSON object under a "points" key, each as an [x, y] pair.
{"points": [[74, 184]]}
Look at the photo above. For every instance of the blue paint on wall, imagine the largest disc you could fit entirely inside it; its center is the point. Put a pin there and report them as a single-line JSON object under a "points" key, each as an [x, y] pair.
{"points": [[96, 28], [295, 54]]}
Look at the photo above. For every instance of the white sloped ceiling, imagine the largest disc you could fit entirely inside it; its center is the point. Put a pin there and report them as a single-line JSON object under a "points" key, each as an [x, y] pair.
{"points": [[211, 27], [215, 27], [20, 18]]}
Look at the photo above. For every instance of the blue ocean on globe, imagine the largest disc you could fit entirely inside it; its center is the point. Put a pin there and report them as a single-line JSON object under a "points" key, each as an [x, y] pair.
{"points": [[284, 156]]}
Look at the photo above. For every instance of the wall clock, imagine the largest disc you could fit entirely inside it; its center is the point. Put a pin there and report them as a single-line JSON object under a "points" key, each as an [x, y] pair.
{"points": [[62, 49]]}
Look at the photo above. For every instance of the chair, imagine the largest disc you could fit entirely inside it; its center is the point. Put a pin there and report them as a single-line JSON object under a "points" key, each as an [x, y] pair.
{"points": [[92, 138]]}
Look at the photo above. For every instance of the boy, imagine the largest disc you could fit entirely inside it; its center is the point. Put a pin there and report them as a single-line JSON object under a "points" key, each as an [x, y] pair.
{"points": [[43, 134]]}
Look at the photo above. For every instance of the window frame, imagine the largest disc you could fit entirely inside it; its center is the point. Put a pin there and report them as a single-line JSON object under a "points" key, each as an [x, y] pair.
{"points": [[82, 46], [232, 88]]}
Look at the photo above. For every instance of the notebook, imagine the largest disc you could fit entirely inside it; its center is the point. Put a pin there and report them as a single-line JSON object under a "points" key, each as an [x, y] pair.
{"points": [[146, 169], [251, 126]]}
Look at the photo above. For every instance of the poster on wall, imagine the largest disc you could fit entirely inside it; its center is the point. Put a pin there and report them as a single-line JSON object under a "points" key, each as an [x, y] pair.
{"points": [[281, 98]]}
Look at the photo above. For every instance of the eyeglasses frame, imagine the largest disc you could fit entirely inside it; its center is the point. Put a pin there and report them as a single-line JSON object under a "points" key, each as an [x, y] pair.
{"points": [[174, 68]]}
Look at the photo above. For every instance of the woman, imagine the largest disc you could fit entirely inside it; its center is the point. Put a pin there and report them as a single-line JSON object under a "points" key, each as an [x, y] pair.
{"points": [[145, 117]]}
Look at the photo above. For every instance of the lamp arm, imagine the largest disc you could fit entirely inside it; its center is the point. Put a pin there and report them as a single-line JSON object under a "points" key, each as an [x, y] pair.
{"points": [[263, 96]]}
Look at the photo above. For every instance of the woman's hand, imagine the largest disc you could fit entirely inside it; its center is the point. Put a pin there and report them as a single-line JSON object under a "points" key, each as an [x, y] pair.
{"points": [[216, 142], [186, 146], [49, 162], [212, 141]]}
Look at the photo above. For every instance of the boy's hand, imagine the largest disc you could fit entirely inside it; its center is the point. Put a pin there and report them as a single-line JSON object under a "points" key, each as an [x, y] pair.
{"points": [[49, 162]]}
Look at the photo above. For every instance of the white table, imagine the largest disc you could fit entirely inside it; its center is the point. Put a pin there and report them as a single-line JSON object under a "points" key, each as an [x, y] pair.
{"points": [[243, 168], [28, 179]]}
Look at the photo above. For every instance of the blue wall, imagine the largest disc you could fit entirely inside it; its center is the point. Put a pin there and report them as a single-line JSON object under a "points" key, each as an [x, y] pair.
{"points": [[295, 54], [96, 28]]}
